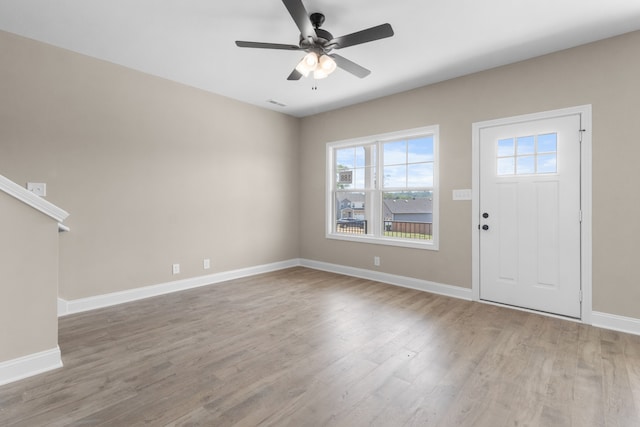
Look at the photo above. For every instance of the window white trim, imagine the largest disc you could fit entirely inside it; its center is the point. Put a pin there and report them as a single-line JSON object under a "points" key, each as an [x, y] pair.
{"points": [[432, 244]]}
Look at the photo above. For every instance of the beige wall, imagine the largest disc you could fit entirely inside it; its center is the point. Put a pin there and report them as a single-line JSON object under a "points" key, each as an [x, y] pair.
{"points": [[155, 173], [604, 74], [152, 172], [28, 280]]}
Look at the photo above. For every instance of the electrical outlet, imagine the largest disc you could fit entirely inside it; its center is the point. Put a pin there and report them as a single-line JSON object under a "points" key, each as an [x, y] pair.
{"points": [[37, 188], [176, 268], [376, 261], [206, 263]]}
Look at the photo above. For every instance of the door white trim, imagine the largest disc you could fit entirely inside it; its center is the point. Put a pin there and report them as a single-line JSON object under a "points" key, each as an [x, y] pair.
{"points": [[585, 195]]}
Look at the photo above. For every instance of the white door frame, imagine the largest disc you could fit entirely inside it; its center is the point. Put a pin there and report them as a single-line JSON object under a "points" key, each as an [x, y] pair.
{"points": [[585, 197]]}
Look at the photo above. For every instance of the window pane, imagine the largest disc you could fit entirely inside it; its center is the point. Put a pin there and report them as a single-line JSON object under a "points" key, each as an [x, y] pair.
{"points": [[345, 158], [395, 176], [351, 212], [507, 166], [408, 214], [420, 175], [525, 165], [547, 163], [547, 143], [395, 152], [526, 145], [506, 147], [358, 179], [362, 178], [420, 150]]}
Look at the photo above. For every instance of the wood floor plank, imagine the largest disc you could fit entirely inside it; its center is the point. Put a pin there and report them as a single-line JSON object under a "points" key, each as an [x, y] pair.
{"points": [[304, 347]]}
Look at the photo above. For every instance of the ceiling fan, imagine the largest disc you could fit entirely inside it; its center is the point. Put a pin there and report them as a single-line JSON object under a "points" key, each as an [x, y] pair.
{"points": [[319, 43]]}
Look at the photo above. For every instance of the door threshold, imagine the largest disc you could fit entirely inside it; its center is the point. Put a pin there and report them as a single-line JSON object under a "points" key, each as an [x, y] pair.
{"points": [[532, 311]]}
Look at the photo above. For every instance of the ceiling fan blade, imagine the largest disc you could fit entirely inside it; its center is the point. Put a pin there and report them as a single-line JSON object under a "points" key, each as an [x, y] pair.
{"points": [[301, 17], [295, 75], [350, 66], [364, 36], [260, 45]]}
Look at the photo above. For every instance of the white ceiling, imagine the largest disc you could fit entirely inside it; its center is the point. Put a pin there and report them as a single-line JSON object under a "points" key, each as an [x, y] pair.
{"points": [[192, 41]]}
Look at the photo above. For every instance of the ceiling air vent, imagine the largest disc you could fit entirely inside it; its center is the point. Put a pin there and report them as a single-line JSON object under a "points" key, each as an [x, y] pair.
{"points": [[279, 104]]}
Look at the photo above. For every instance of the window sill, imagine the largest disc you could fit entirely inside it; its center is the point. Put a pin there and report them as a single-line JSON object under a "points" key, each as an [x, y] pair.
{"points": [[431, 245]]}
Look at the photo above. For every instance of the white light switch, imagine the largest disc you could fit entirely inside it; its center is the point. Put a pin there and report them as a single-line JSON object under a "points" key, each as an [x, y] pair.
{"points": [[37, 188], [462, 194]]}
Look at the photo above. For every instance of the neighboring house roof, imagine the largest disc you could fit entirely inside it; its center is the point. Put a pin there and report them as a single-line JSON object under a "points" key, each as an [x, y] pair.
{"points": [[354, 198], [407, 206]]}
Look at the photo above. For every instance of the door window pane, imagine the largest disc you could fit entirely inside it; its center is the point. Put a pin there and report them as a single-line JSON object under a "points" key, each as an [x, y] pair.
{"points": [[547, 143], [526, 145], [507, 166], [506, 147], [525, 165], [547, 163], [526, 155]]}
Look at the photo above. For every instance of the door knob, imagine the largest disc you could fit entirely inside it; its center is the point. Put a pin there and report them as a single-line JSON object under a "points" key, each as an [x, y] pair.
{"points": [[485, 227]]}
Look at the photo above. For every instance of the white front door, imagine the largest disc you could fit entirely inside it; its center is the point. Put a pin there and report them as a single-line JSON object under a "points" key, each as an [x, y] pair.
{"points": [[529, 200]]}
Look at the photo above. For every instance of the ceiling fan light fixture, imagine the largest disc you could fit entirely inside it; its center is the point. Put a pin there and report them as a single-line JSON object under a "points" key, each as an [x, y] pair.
{"points": [[308, 64], [311, 59], [319, 73], [327, 64]]}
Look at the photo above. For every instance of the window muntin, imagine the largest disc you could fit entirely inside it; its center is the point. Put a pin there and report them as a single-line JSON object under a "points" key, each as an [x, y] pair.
{"points": [[527, 155], [400, 208]]}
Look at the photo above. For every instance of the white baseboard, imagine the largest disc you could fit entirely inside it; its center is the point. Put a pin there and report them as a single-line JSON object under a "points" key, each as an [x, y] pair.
{"points": [[107, 300], [27, 366], [391, 279], [62, 307], [614, 322], [603, 320]]}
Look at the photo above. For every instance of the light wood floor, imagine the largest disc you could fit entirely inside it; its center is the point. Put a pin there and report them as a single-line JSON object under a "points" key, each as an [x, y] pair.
{"points": [[306, 348]]}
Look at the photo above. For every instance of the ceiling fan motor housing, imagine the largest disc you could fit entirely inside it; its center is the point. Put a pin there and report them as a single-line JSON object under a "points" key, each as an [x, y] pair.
{"points": [[323, 37], [322, 41]]}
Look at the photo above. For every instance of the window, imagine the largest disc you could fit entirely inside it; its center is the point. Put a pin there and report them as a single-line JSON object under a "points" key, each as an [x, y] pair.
{"points": [[526, 155], [383, 189]]}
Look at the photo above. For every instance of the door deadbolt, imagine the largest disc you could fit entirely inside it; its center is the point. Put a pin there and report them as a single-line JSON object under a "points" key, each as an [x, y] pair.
{"points": [[485, 215]]}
